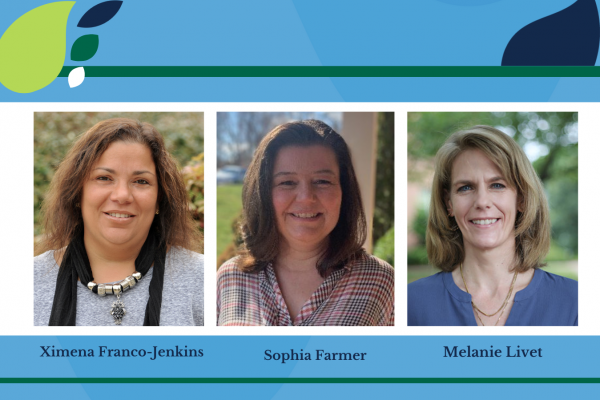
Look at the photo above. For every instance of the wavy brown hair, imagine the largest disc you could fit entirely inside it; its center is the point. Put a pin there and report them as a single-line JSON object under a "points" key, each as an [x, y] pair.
{"points": [[259, 226], [445, 247], [61, 215]]}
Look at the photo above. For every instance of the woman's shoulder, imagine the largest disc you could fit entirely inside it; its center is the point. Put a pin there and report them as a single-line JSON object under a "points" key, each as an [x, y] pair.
{"points": [[45, 263], [557, 284], [45, 272], [369, 264], [185, 264], [185, 257], [426, 287], [230, 268]]}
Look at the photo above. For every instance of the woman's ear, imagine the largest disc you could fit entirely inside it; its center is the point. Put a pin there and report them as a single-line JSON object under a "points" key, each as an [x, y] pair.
{"points": [[448, 203], [520, 203]]}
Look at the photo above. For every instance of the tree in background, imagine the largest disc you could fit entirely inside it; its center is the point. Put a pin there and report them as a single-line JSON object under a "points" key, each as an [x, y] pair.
{"points": [[383, 218]]}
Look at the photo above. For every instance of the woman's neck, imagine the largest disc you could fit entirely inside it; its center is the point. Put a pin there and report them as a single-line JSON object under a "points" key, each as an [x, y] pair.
{"points": [[111, 263], [299, 258], [490, 271], [489, 266]]}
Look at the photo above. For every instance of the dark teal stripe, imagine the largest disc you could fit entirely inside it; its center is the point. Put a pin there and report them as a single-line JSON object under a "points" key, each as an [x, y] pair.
{"points": [[319, 71], [302, 380]]}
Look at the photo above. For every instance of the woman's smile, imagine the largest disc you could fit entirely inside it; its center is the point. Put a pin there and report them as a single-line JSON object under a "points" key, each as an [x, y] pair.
{"points": [[120, 217]]}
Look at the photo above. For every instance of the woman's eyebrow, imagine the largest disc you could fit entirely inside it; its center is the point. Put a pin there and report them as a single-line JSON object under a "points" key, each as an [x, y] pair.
{"points": [[283, 173], [112, 171], [462, 182], [142, 172], [325, 171]]}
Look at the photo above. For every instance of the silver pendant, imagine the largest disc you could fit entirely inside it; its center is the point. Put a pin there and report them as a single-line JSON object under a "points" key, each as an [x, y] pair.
{"points": [[118, 310]]}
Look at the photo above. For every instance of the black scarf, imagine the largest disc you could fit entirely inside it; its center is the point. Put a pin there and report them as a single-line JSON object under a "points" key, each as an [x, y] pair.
{"points": [[75, 264]]}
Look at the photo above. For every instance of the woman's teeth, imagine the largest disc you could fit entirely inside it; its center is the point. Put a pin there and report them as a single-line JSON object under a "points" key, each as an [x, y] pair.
{"points": [[484, 221], [305, 215], [119, 215]]}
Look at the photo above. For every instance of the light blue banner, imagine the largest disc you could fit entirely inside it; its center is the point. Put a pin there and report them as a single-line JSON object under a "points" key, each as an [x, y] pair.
{"points": [[265, 356]]}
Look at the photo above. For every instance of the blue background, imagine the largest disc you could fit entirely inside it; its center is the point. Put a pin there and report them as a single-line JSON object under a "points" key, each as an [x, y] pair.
{"points": [[284, 32], [280, 32], [234, 356]]}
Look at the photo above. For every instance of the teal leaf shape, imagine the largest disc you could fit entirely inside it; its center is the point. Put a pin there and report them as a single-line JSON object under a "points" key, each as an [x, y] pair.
{"points": [[84, 48]]}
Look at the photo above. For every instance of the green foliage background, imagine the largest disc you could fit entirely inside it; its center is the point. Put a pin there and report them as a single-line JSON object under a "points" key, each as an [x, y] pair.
{"points": [[55, 133]]}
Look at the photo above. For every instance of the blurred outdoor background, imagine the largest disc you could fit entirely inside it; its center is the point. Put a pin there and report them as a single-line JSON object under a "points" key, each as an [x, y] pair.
{"points": [[55, 133], [370, 137], [549, 139]]}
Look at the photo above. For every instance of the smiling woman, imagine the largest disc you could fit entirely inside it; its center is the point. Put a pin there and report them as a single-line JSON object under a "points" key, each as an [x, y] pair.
{"points": [[488, 231], [117, 223], [302, 261]]}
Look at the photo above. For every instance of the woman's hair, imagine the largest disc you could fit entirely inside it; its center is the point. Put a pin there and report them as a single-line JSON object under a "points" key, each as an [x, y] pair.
{"points": [[61, 212], [445, 247], [261, 239]]}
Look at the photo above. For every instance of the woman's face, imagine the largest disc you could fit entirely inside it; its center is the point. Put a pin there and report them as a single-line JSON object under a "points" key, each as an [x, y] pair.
{"points": [[119, 198], [307, 194], [482, 202]]}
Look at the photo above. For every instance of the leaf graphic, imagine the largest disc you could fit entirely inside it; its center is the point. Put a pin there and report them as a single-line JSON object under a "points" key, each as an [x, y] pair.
{"points": [[76, 77], [32, 49], [99, 14], [568, 37], [84, 48]]}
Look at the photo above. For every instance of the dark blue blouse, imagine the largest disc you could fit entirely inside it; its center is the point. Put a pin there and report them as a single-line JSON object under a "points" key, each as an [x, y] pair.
{"points": [[548, 300]]}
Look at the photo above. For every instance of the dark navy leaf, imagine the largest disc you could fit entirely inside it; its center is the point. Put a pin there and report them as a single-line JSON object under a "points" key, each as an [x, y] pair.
{"points": [[569, 37], [84, 48], [99, 14]]}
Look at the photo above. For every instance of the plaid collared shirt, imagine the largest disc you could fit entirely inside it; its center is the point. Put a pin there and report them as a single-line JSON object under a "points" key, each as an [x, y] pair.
{"points": [[360, 294]]}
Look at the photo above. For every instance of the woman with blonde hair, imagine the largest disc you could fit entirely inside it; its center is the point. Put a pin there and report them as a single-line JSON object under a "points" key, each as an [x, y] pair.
{"points": [[489, 231], [119, 239]]}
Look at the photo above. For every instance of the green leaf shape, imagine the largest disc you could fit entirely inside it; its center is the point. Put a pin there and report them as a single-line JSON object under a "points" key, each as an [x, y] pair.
{"points": [[84, 48], [33, 48]]}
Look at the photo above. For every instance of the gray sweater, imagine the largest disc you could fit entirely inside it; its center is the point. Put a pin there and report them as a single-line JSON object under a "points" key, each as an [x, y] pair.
{"points": [[182, 297]]}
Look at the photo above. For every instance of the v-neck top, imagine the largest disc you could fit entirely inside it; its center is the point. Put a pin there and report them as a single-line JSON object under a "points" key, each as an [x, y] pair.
{"points": [[548, 300], [360, 294]]}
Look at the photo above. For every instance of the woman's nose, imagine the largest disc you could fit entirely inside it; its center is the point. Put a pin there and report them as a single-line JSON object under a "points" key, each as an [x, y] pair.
{"points": [[482, 199], [305, 193], [122, 193]]}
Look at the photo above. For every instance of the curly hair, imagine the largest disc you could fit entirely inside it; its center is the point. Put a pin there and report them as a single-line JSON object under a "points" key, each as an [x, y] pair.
{"points": [[62, 217]]}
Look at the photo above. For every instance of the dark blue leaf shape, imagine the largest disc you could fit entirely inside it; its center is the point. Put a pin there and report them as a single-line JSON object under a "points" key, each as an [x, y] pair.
{"points": [[568, 37], [99, 14]]}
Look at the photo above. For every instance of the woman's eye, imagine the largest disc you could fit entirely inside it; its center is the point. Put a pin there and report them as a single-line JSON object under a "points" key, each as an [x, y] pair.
{"points": [[498, 186], [286, 183], [103, 178], [323, 182], [142, 182], [464, 188]]}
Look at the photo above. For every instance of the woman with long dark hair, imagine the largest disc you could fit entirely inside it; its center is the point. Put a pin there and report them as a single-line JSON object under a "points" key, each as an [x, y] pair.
{"points": [[302, 261]]}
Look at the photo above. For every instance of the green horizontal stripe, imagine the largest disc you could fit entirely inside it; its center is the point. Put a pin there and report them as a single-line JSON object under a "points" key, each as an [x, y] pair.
{"points": [[300, 380], [340, 71]]}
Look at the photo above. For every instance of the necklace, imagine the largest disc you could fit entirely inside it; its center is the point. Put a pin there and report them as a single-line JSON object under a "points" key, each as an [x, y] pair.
{"points": [[118, 307], [502, 307]]}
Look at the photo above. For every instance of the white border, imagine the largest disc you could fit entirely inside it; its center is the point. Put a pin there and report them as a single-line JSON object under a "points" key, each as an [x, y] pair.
{"points": [[16, 161]]}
